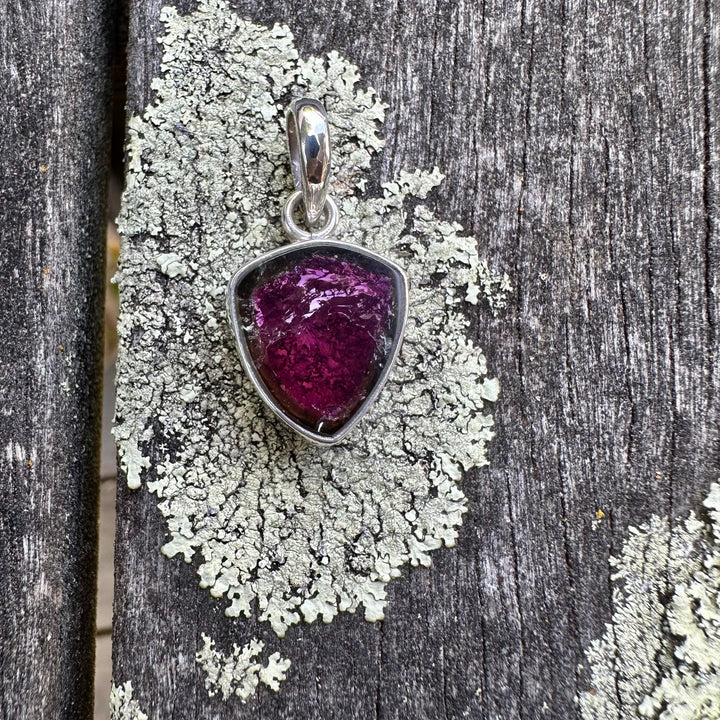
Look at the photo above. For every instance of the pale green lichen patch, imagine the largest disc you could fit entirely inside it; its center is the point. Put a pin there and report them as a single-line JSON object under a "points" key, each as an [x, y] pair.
{"points": [[239, 673], [660, 658], [122, 704], [283, 528], [171, 264]]}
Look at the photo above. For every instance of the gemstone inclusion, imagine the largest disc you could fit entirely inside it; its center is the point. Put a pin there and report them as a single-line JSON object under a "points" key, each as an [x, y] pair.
{"points": [[318, 328]]}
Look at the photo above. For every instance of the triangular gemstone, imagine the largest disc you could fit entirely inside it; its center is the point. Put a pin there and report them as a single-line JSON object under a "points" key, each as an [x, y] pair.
{"points": [[318, 325]]}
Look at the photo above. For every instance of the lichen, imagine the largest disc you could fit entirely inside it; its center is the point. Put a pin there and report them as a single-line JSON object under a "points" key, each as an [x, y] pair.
{"points": [[239, 673], [660, 655], [171, 264], [122, 704], [282, 528]]}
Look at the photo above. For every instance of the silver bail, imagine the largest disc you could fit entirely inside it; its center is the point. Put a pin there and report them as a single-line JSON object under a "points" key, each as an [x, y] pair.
{"points": [[308, 139]]}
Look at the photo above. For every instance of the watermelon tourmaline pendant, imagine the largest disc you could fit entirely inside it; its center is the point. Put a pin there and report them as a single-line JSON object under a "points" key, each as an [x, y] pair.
{"points": [[318, 323]]}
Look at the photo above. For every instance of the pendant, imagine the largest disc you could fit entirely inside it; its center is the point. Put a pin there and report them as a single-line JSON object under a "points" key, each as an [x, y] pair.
{"points": [[318, 323]]}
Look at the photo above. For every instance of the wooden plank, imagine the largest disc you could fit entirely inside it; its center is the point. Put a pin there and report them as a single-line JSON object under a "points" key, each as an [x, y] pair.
{"points": [[55, 64], [580, 144]]}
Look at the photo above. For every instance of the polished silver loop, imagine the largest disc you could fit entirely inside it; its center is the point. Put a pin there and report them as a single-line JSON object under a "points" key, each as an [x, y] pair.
{"points": [[308, 139], [295, 233]]}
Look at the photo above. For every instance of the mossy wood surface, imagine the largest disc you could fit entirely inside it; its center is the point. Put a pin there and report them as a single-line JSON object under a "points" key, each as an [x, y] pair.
{"points": [[54, 152], [580, 142]]}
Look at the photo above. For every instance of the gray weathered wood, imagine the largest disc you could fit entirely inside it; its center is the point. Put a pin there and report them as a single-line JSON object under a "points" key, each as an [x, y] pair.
{"points": [[580, 141], [54, 129]]}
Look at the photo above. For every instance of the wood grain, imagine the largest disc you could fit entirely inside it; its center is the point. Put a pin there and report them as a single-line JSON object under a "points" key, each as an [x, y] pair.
{"points": [[581, 141], [54, 100]]}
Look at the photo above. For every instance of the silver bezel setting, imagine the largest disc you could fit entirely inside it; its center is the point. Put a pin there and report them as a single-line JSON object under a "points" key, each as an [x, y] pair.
{"points": [[249, 365]]}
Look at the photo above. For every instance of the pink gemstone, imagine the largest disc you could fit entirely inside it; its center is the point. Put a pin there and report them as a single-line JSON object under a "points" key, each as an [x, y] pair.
{"points": [[319, 331]]}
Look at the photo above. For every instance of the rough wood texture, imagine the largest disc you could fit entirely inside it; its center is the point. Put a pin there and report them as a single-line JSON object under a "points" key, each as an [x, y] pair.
{"points": [[581, 146], [55, 62]]}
